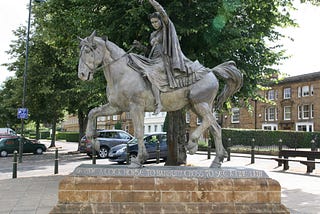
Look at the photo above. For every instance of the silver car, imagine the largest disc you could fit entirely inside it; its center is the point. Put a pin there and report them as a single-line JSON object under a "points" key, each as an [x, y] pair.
{"points": [[107, 139]]}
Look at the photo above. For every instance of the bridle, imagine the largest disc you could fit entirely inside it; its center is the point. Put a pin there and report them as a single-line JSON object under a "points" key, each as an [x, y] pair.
{"points": [[92, 48]]}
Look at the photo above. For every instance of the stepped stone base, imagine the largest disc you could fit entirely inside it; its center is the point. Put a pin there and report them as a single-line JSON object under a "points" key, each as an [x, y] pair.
{"points": [[118, 189]]}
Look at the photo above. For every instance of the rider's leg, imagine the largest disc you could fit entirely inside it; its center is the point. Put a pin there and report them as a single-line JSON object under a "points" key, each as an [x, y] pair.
{"points": [[156, 94]]}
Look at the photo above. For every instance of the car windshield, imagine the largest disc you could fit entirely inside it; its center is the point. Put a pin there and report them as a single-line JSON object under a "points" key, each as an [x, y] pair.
{"points": [[133, 141]]}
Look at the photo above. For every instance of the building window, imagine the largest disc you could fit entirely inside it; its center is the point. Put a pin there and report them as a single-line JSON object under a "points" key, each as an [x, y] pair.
{"points": [[235, 116], [155, 128], [114, 117], [271, 95], [287, 113], [199, 121], [149, 129], [270, 114], [305, 111], [270, 127], [304, 127], [187, 117], [305, 91], [287, 93]]}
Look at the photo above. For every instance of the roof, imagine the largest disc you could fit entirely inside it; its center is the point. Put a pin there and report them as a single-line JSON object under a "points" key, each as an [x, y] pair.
{"points": [[301, 78]]}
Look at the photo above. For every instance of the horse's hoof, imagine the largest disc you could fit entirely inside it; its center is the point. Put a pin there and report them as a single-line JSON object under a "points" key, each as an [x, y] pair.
{"points": [[215, 165], [135, 163], [192, 148]]}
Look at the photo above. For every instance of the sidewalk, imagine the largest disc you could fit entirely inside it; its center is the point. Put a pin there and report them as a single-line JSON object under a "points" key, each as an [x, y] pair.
{"points": [[34, 194]]}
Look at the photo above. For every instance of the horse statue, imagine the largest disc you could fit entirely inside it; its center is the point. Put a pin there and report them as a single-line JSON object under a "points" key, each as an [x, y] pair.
{"points": [[130, 91]]}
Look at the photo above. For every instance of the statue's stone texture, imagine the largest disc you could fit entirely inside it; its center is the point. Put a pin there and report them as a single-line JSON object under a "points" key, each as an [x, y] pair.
{"points": [[250, 192]]}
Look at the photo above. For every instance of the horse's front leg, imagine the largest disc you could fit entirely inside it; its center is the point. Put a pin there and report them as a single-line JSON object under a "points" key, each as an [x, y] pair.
{"points": [[104, 110], [137, 112]]}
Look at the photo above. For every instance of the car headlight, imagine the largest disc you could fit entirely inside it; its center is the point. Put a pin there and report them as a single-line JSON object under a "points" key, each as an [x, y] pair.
{"points": [[122, 150]]}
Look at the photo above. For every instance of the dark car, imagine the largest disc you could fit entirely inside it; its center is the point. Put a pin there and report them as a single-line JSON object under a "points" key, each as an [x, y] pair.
{"points": [[10, 144], [107, 139], [119, 153]]}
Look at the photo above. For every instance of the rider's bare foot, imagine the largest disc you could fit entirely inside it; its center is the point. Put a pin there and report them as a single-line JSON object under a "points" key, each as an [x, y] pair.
{"points": [[158, 109]]}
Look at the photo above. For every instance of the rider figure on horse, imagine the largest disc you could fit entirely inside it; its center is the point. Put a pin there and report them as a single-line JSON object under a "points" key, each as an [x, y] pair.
{"points": [[165, 46]]}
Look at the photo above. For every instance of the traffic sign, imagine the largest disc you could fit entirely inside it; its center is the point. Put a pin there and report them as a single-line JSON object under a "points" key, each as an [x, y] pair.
{"points": [[22, 113]]}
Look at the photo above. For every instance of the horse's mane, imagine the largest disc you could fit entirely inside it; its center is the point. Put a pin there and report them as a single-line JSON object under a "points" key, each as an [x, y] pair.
{"points": [[114, 49]]}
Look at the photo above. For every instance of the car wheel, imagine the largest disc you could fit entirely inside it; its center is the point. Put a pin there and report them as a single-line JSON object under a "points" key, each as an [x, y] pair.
{"points": [[120, 162], [3, 153], [39, 151], [103, 153]]}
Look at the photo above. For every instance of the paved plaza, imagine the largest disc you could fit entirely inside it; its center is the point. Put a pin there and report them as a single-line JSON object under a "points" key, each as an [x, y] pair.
{"points": [[36, 188]]}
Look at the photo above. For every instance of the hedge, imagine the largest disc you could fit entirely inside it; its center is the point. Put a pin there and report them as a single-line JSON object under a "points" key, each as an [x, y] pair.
{"points": [[68, 136], [291, 139]]}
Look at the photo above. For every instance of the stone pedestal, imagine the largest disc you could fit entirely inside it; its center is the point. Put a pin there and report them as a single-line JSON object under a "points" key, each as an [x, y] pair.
{"points": [[118, 189]]}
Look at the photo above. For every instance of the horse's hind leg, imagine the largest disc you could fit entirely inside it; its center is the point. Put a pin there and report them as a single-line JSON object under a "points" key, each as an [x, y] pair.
{"points": [[203, 111], [208, 121], [221, 153]]}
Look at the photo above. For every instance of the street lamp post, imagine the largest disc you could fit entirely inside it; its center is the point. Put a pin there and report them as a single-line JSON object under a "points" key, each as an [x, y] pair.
{"points": [[25, 80]]}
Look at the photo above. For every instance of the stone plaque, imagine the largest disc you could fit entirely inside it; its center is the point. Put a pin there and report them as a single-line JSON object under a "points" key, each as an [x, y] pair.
{"points": [[167, 171]]}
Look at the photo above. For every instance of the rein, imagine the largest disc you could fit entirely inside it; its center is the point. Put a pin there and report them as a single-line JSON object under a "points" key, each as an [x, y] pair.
{"points": [[107, 64]]}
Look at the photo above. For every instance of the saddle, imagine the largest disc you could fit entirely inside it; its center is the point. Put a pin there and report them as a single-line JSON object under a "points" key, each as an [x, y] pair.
{"points": [[154, 70]]}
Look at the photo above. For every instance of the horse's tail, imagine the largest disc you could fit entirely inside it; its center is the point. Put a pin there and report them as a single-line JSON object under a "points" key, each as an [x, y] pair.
{"points": [[233, 78]]}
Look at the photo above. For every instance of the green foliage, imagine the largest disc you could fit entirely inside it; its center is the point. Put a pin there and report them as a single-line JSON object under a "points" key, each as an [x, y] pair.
{"points": [[118, 125], [211, 31], [268, 138], [68, 136]]}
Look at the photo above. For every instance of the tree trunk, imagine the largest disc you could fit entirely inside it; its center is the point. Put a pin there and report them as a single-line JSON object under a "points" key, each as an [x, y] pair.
{"points": [[53, 135], [176, 138], [37, 130], [82, 119]]}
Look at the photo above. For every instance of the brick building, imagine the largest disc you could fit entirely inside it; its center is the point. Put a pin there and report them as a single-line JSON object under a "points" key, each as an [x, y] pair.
{"points": [[294, 105]]}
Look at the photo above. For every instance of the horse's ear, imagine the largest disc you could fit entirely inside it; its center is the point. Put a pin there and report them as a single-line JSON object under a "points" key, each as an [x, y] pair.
{"points": [[91, 37], [79, 38]]}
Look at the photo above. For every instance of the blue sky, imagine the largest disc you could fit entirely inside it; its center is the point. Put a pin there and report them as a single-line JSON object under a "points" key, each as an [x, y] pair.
{"points": [[304, 50]]}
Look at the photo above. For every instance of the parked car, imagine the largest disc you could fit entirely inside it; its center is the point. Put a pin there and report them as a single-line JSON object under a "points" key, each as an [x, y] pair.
{"points": [[107, 139], [119, 153], [10, 144]]}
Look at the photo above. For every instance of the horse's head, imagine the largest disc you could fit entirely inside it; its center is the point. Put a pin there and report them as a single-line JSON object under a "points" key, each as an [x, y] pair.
{"points": [[91, 56]]}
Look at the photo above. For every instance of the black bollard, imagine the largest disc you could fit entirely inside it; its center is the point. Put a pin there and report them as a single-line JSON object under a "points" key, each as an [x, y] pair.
{"points": [[252, 150], [128, 154], [158, 152], [313, 145], [56, 162], [93, 154], [228, 149], [209, 149], [280, 148], [15, 165]]}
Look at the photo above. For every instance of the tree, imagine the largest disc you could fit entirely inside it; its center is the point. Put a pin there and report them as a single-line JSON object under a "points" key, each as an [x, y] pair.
{"points": [[211, 31]]}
